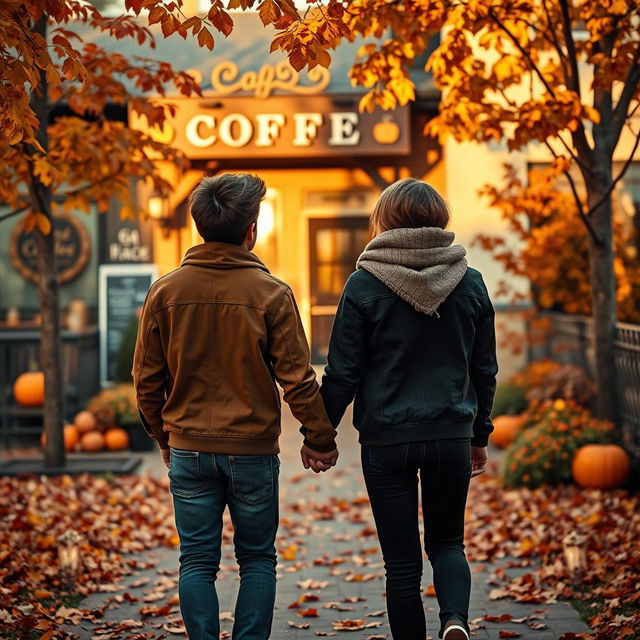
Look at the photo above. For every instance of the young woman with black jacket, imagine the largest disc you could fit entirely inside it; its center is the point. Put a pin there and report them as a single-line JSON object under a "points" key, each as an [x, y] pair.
{"points": [[414, 342]]}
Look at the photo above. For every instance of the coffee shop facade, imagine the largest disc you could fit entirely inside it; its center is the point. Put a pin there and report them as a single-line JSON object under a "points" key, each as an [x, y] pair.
{"points": [[324, 163]]}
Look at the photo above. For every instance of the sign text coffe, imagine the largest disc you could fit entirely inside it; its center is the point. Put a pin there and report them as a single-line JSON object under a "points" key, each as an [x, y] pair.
{"points": [[283, 126]]}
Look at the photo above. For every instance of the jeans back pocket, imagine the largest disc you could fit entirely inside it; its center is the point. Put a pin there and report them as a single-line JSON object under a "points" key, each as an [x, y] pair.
{"points": [[252, 477], [454, 457], [185, 478]]}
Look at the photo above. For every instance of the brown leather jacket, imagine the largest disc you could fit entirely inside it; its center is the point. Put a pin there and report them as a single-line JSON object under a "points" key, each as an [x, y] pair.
{"points": [[214, 336]]}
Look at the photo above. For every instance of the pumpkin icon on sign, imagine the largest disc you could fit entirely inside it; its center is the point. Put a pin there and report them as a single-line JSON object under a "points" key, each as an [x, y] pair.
{"points": [[387, 131]]}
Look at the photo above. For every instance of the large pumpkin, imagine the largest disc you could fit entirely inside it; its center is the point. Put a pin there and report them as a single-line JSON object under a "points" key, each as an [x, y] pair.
{"points": [[28, 389], [601, 466], [92, 441], [116, 439], [505, 429], [70, 434], [85, 421]]}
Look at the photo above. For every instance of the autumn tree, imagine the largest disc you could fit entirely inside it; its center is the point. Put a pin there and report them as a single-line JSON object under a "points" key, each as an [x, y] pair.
{"points": [[80, 156]]}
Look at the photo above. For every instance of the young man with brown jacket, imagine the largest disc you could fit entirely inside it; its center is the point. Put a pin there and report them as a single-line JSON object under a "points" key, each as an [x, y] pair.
{"points": [[214, 337]]}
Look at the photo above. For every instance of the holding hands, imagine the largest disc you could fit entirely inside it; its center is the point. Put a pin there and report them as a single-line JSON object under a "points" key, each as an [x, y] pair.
{"points": [[318, 461]]}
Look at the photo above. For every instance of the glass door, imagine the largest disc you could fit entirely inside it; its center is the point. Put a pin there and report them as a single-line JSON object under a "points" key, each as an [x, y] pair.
{"points": [[335, 245]]}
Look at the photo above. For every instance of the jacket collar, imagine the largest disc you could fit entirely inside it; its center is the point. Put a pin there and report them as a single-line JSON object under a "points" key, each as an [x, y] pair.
{"points": [[221, 255]]}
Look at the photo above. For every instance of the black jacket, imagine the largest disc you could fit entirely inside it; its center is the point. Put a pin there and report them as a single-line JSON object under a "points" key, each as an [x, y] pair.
{"points": [[414, 376]]}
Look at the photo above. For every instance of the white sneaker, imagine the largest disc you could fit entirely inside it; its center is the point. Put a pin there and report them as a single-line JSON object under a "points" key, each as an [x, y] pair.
{"points": [[455, 632]]}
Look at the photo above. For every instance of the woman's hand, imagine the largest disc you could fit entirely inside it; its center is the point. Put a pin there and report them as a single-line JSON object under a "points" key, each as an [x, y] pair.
{"points": [[479, 457], [318, 461]]}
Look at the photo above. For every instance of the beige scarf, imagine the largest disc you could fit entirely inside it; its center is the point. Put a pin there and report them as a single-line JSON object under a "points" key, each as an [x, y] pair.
{"points": [[421, 265]]}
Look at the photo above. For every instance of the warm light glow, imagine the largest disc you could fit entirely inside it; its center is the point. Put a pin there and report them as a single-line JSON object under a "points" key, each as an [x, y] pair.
{"points": [[156, 207], [267, 217]]}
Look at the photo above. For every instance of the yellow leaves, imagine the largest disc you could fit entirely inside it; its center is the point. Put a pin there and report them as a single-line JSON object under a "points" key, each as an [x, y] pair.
{"points": [[36, 220], [591, 114], [43, 223], [268, 11], [289, 553], [506, 67], [44, 170]]}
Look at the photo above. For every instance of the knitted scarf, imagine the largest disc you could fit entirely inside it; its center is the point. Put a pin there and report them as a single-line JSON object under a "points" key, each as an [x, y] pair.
{"points": [[422, 265]]}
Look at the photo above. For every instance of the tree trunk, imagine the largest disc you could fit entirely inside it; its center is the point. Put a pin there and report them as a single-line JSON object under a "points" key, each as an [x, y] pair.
{"points": [[50, 344], [603, 296]]}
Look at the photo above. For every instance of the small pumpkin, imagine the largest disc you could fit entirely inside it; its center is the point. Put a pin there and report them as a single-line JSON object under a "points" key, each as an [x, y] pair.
{"points": [[28, 389], [601, 466], [116, 439], [85, 421], [505, 429], [386, 131], [92, 441], [70, 434]]}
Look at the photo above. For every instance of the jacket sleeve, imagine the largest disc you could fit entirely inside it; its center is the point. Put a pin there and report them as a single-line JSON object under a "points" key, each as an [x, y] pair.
{"points": [[150, 375], [346, 359], [289, 351], [482, 371]]}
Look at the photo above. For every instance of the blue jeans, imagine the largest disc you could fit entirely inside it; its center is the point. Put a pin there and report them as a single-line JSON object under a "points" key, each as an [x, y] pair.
{"points": [[391, 475], [203, 484]]}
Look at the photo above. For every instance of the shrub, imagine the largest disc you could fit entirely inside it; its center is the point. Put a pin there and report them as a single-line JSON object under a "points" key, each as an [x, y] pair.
{"points": [[543, 452], [115, 406], [509, 400], [535, 373], [569, 382]]}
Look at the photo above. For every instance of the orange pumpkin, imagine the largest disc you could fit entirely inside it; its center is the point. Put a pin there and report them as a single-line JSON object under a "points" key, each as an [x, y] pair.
{"points": [[116, 439], [601, 466], [28, 389], [70, 434], [92, 441], [505, 429], [85, 421], [386, 131]]}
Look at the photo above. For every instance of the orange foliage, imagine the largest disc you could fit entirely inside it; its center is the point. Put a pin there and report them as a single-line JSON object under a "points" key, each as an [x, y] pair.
{"points": [[550, 245]]}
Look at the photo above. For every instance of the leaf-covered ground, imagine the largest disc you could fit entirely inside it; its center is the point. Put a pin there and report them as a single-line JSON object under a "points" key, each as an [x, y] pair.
{"points": [[514, 540]]}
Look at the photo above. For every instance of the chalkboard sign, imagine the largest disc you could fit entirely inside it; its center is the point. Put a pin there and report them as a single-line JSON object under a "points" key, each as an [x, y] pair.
{"points": [[123, 289]]}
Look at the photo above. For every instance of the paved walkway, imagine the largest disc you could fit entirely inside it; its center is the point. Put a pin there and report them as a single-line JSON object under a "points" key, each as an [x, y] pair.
{"points": [[328, 550]]}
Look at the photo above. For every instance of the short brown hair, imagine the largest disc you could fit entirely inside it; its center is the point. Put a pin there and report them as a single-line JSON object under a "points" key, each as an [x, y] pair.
{"points": [[225, 206], [407, 204]]}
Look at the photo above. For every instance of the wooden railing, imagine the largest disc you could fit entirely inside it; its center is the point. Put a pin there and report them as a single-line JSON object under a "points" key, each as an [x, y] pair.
{"points": [[570, 339]]}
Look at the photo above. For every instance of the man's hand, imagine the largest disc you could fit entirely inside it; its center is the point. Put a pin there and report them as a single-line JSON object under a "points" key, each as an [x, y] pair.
{"points": [[479, 457], [318, 461], [166, 456]]}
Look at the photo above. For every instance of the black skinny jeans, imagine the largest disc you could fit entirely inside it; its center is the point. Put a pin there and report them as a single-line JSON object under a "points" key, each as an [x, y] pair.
{"points": [[391, 475]]}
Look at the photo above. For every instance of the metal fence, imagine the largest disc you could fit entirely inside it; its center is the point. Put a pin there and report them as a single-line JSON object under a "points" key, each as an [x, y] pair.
{"points": [[570, 340]]}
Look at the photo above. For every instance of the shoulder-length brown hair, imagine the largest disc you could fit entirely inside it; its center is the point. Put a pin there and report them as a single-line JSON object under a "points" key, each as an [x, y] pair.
{"points": [[409, 204]]}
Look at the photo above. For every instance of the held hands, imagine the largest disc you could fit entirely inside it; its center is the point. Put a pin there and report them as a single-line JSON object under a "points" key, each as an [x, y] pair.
{"points": [[318, 461], [479, 457]]}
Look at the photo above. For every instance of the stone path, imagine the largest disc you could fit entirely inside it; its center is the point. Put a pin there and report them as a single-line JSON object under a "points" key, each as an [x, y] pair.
{"points": [[326, 540]]}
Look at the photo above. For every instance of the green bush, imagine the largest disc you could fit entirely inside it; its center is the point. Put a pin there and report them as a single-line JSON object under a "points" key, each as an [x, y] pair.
{"points": [[509, 400], [542, 453]]}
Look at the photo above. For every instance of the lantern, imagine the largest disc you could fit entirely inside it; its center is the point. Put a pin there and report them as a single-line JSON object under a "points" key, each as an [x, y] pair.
{"points": [[69, 557], [575, 556]]}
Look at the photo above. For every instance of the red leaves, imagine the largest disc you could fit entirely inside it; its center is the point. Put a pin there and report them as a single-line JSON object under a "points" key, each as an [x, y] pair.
{"points": [[509, 634], [35, 512], [205, 39]]}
